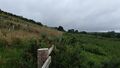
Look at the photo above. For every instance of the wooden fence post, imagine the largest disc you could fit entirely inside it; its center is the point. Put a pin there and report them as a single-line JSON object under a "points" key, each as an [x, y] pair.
{"points": [[44, 59], [42, 56]]}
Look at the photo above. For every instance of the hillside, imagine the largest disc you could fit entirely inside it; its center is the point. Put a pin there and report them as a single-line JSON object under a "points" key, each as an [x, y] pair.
{"points": [[19, 39], [12, 26]]}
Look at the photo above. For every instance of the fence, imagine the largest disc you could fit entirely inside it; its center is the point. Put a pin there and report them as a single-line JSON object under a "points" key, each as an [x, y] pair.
{"points": [[44, 59]]}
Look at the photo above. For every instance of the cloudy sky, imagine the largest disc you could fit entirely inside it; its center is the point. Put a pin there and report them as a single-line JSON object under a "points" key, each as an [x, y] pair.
{"points": [[88, 15]]}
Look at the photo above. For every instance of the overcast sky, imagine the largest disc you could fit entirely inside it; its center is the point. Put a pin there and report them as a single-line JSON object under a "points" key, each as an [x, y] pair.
{"points": [[84, 15]]}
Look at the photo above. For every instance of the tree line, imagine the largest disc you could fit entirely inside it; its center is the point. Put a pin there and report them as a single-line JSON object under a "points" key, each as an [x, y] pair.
{"points": [[109, 34]]}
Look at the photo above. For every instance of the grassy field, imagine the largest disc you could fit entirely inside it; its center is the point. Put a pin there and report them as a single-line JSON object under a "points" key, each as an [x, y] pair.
{"points": [[86, 51]]}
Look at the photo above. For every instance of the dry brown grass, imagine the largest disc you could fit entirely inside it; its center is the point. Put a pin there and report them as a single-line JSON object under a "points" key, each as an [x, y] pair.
{"points": [[22, 29], [36, 33]]}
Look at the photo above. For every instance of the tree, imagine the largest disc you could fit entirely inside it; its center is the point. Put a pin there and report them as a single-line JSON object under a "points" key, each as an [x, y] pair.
{"points": [[60, 28], [111, 34], [71, 31], [83, 32], [76, 31]]}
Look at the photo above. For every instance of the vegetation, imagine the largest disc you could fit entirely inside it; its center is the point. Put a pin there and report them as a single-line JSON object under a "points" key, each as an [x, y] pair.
{"points": [[20, 38], [21, 54], [86, 51], [7, 15], [60, 28], [110, 34], [72, 31]]}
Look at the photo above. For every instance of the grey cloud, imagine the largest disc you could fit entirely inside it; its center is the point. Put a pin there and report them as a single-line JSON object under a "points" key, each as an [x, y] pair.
{"points": [[89, 15]]}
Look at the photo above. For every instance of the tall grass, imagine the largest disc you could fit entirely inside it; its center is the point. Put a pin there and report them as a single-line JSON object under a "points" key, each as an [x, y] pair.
{"points": [[19, 40], [86, 51]]}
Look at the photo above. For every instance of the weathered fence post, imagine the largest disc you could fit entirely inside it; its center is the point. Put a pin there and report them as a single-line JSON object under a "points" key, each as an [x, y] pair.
{"points": [[42, 56], [44, 59]]}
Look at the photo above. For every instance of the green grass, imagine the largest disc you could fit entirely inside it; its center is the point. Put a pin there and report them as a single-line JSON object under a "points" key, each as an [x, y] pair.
{"points": [[17, 55], [86, 51]]}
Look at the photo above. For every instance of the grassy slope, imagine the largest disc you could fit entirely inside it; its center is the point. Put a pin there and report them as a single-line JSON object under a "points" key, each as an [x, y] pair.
{"points": [[19, 40], [15, 27]]}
